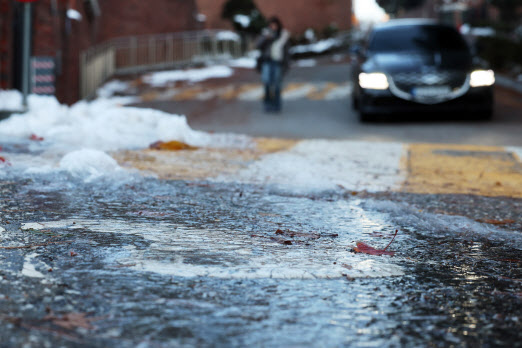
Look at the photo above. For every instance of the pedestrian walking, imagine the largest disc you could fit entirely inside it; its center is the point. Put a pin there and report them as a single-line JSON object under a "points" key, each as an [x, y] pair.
{"points": [[273, 62]]}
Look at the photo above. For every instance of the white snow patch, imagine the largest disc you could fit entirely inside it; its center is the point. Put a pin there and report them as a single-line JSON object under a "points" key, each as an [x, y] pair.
{"points": [[38, 226], [32, 226], [112, 87], [29, 269], [99, 125], [10, 100], [244, 62], [317, 47], [89, 164], [321, 165], [227, 35], [102, 125], [162, 78]]}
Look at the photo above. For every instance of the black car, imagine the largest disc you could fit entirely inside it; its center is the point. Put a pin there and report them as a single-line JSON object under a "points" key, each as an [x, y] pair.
{"points": [[419, 67]]}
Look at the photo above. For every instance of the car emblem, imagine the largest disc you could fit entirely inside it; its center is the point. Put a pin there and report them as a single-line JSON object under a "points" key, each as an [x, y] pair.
{"points": [[430, 79]]}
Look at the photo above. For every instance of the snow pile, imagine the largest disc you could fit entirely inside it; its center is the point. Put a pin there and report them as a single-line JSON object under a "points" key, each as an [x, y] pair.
{"points": [[74, 139], [10, 100], [100, 124], [323, 165], [89, 164], [162, 78]]}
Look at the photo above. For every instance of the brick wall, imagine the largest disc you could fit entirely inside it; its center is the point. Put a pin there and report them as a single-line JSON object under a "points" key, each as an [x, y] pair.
{"points": [[54, 35], [212, 9], [299, 15], [296, 15], [140, 17]]}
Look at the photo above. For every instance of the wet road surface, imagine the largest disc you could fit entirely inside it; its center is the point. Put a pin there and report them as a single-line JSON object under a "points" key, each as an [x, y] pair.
{"points": [[317, 104], [196, 263], [229, 248]]}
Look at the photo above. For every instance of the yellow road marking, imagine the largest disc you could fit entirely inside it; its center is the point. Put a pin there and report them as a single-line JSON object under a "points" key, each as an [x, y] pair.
{"points": [[462, 169], [202, 163], [321, 94]]}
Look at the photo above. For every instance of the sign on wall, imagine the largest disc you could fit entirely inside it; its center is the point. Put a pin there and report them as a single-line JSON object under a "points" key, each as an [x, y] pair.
{"points": [[43, 75]]}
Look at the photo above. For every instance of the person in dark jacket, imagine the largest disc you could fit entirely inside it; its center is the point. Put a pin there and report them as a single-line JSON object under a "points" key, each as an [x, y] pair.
{"points": [[273, 62]]}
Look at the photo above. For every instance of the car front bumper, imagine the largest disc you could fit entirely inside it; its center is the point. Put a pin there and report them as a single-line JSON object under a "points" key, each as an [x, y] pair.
{"points": [[476, 100]]}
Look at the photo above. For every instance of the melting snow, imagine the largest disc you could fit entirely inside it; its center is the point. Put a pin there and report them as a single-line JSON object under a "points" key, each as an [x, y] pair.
{"points": [[29, 269], [317, 47], [89, 164], [322, 165], [162, 78], [246, 257]]}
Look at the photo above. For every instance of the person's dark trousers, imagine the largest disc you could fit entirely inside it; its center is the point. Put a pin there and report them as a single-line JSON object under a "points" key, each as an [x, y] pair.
{"points": [[272, 76]]}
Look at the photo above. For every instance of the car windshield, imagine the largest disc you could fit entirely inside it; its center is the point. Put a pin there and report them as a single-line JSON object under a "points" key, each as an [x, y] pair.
{"points": [[430, 38]]}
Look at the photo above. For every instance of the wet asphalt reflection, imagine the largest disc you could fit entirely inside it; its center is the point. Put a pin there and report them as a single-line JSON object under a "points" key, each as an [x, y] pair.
{"points": [[119, 256]]}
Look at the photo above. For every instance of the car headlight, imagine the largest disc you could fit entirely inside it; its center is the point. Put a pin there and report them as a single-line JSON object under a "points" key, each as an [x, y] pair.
{"points": [[482, 78], [373, 81]]}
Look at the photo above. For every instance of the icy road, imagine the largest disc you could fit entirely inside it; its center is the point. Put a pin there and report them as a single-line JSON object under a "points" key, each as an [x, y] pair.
{"points": [[239, 241]]}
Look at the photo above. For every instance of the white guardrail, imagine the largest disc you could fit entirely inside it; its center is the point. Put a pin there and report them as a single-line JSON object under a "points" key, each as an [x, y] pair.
{"points": [[136, 54]]}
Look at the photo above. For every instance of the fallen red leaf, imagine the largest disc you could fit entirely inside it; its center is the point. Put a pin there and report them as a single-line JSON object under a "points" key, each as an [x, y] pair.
{"points": [[4, 160], [366, 249], [36, 137]]}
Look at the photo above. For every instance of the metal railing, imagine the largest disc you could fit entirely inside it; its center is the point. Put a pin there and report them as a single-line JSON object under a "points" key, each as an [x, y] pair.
{"points": [[141, 53]]}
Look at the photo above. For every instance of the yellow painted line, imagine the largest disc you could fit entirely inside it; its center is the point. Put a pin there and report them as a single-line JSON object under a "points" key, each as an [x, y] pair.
{"points": [[462, 169], [201, 163], [293, 86], [323, 92]]}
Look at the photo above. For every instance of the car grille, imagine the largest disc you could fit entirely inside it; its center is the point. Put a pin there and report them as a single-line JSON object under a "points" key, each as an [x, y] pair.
{"points": [[446, 84]]}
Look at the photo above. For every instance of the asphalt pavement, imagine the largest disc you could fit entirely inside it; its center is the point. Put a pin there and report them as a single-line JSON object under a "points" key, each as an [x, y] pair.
{"points": [[317, 104], [320, 232]]}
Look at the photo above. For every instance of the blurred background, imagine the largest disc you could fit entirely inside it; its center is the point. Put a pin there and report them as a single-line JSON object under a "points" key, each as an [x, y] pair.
{"points": [[77, 45]]}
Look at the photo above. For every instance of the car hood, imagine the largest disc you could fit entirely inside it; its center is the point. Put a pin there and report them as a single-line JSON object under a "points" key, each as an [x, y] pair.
{"points": [[417, 62]]}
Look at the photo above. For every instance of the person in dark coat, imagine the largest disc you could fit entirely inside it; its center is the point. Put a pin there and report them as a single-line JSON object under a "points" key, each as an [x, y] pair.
{"points": [[273, 62]]}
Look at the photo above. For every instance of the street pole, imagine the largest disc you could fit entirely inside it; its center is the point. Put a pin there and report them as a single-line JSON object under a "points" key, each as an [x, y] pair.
{"points": [[26, 52]]}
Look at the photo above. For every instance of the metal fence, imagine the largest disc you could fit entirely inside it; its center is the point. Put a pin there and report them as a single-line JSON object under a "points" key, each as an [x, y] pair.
{"points": [[141, 53]]}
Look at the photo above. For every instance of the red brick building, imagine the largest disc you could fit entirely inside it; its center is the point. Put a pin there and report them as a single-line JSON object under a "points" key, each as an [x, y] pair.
{"points": [[299, 15], [61, 29], [60, 34], [296, 15]]}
